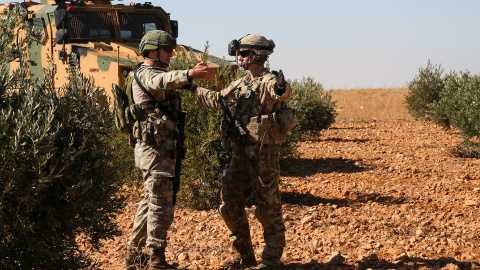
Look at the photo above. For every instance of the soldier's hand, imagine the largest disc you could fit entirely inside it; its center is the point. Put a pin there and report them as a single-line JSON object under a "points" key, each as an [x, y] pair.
{"points": [[279, 78], [202, 72]]}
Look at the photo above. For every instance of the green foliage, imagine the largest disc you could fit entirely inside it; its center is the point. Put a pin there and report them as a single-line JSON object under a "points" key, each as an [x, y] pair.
{"points": [[450, 100], [59, 177], [424, 90], [459, 104], [314, 108]]}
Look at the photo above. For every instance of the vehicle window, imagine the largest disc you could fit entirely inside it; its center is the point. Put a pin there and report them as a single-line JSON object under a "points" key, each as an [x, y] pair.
{"points": [[137, 24], [96, 24], [100, 24]]}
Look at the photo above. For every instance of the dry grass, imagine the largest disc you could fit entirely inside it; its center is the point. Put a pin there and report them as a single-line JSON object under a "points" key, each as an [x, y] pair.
{"points": [[364, 105]]}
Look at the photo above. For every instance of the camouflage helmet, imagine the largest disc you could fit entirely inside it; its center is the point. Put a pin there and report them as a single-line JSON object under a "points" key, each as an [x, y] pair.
{"points": [[257, 43], [156, 39]]}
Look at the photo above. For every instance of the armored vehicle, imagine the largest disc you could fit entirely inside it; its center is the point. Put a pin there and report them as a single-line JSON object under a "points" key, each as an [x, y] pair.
{"points": [[103, 37]]}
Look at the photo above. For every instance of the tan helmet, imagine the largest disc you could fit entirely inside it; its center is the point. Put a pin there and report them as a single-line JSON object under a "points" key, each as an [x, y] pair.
{"points": [[257, 43]]}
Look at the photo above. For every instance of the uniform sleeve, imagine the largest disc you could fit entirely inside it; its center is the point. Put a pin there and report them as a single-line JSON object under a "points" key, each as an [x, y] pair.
{"points": [[210, 99], [158, 81], [273, 90]]}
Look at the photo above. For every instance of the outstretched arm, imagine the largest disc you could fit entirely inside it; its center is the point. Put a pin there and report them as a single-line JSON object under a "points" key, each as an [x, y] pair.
{"points": [[202, 72]]}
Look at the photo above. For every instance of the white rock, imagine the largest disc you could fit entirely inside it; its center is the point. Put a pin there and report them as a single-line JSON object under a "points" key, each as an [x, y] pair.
{"points": [[471, 203]]}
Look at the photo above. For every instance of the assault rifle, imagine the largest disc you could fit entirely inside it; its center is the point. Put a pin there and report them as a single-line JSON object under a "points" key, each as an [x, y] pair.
{"points": [[236, 131], [180, 150]]}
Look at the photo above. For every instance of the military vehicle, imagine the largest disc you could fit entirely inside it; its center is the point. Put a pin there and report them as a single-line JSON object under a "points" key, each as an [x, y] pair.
{"points": [[103, 37]]}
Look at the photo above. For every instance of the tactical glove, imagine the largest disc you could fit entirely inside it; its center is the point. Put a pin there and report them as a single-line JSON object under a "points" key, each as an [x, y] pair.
{"points": [[191, 86], [280, 81]]}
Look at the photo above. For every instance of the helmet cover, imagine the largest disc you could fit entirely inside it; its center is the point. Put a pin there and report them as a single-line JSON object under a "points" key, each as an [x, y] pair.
{"points": [[257, 43], [156, 39]]}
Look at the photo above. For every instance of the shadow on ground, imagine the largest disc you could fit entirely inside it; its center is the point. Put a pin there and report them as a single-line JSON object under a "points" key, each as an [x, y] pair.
{"points": [[301, 167], [345, 140], [352, 198], [334, 139], [372, 262]]}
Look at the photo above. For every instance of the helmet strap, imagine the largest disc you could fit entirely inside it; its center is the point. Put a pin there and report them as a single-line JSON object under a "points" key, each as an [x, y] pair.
{"points": [[255, 59], [157, 60], [162, 64]]}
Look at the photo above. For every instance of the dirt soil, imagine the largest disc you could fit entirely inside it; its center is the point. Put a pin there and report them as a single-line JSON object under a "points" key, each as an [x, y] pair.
{"points": [[379, 195]]}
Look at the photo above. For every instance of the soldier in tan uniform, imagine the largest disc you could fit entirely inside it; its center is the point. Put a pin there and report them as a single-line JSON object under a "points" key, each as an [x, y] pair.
{"points": [[157, 109], [259, 98]]}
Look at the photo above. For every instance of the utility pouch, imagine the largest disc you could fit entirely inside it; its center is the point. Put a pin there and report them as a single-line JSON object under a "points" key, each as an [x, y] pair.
{"points": [[163, 129], [136, 131], [160, 133], [284, 122], [258, 129], [147, 132], [272, 129], [137, 112]]}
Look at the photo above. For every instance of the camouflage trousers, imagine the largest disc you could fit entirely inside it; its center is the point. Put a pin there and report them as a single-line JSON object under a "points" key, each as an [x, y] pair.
{"points": [[155, 211], [241, 181]]}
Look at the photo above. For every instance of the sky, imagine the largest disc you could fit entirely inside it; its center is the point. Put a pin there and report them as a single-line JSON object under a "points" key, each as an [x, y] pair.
{"points": [[346, 44], [342, 44]]}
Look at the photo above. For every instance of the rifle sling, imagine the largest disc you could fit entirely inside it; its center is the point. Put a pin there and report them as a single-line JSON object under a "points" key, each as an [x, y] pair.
{"points": [[163, 109], [141, 85]]}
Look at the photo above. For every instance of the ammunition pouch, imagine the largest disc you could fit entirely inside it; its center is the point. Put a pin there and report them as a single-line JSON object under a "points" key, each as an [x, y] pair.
{"points": [[154, 129], [270, 129], [284, 120], [134, 113]]}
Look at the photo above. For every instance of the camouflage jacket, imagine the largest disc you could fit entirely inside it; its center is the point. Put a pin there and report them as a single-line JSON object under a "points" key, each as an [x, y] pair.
{"points": [[256, 101], [263, 95], [157, 81]]}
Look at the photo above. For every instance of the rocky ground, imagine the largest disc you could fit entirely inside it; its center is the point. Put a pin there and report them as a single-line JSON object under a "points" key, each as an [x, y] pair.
{"points": [[379, 195]]}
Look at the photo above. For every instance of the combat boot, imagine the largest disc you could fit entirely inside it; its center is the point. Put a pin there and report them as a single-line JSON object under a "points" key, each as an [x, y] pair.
{"points": [[158, 260], [135, 257], [237, 263]]}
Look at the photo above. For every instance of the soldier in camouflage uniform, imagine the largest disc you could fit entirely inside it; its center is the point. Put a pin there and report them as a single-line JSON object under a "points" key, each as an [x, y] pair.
{"points": [[257, 96], [154, 135]]}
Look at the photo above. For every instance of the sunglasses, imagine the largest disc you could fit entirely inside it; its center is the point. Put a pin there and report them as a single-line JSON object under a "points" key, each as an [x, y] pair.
{"points": [[244, 53]]}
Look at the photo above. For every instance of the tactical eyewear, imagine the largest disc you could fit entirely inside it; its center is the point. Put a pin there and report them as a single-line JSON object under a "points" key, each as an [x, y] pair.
{"points": [[244, 53]]}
